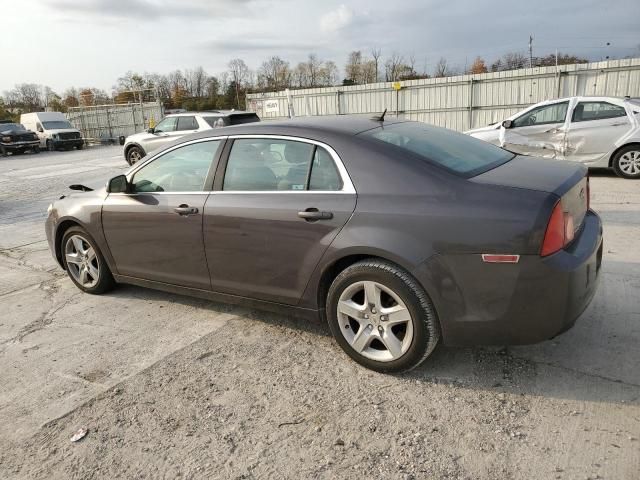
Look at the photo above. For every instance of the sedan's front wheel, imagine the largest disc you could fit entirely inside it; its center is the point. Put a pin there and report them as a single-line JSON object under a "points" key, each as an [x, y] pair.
{"points": [[381, 317], [84, 262]]}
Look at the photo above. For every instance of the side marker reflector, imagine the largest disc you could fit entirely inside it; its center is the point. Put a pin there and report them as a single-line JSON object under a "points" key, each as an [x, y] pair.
{"points": [[492, 258]]}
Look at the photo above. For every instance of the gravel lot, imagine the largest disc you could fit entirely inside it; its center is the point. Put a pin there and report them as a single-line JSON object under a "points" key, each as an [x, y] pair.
{"points": [[170, 387]]}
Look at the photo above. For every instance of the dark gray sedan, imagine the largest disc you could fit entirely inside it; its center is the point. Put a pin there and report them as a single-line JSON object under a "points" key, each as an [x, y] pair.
{"points": [[399, 234]]}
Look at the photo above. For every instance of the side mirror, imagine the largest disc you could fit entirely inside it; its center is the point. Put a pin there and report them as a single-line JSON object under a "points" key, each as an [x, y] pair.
{"points": [[507, 124], [151, 130], [40, 130], [118, 184]]}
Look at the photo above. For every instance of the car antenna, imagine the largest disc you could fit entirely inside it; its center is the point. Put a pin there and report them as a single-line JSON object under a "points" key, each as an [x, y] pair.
{"points": [[381, 117]]}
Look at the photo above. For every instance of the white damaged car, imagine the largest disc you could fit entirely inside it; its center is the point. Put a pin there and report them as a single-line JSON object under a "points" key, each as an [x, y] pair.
{"points": [[600, 132]]}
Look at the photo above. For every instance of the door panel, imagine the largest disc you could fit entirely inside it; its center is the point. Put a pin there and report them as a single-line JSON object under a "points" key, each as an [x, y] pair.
{"points": [[588, 141], [539, 132], [258, 246], [149, 239]]}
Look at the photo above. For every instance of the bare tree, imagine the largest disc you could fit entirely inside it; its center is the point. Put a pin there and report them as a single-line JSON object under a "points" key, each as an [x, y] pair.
{"points": [[238, 72], [353, 68], [376, 53], [274, 74], [26, 96], [442, 68], [393, 67]]}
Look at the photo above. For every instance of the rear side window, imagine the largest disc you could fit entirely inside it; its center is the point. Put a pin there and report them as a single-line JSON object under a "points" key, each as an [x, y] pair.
{"points": [[459, 153], [214, 122], [263, 164], [187, 123], [587, 111]]}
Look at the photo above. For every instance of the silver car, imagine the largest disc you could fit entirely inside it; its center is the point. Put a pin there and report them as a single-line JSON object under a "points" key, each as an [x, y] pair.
{"points": [[601, 132], [177, 125]]}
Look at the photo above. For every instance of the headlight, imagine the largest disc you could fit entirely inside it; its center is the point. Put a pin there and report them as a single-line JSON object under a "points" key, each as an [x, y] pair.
{"points": [[6, 139]]}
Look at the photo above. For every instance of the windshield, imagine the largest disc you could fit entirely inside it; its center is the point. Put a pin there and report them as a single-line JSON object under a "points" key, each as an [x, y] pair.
{"points": [[10, 126], [58, 124], [459, 153]]}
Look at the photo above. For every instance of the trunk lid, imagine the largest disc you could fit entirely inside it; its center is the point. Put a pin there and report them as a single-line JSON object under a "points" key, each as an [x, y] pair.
{"points": [[531, 173]]}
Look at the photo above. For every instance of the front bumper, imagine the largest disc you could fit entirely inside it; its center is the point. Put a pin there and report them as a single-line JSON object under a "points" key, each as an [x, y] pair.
{"points": [[72, 142], [26, 145], [515, 304]]}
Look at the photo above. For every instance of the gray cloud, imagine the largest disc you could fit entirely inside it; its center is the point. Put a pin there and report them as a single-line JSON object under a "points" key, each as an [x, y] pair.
{"points": [[146, 10]]}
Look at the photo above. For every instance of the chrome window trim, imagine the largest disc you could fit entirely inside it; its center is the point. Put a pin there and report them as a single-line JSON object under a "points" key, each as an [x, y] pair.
{"points": [[347, 184]]}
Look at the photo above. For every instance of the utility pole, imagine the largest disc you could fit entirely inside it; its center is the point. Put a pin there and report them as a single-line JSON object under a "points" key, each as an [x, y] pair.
{"points": [[530, 51]]}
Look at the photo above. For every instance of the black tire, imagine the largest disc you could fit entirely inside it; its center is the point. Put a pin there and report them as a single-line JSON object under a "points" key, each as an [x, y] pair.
{"points": [[3, 151], [134, 155], [426, 329], [50, 146], [18, 152], [35, 150], [80, 146], [621, 159], [105, 280]]}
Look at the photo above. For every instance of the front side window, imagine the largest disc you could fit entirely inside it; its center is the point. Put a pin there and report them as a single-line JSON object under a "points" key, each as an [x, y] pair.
{"points": [[184, 169], [454, 151], [187, 123], [279, 165], [555, 113], [169, 124], [587, 111]]}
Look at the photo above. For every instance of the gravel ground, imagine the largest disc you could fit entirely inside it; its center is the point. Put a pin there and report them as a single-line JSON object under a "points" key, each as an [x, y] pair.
{"points": [[172, 387]]}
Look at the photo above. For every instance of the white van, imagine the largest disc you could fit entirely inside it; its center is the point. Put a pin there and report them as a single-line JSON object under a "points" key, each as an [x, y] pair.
{"points": [[53, 129]]}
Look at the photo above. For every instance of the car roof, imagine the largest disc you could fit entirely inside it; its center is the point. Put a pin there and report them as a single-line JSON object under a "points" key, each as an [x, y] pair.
{"points": [[211, 113], [329, 124]]}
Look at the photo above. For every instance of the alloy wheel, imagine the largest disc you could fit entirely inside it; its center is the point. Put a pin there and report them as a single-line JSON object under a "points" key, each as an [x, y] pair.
{"points": [[629, 162], [134, 156], [82, 261], [375, 321]]}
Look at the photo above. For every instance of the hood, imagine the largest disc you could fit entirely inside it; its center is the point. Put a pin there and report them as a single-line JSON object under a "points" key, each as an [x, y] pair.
{"points": [[136, 137], [488, 128], [15, 131]]}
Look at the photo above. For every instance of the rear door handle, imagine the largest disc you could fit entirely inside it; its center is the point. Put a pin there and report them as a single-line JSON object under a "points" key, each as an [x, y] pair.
{"points": [[185, 210], [313, 214]]}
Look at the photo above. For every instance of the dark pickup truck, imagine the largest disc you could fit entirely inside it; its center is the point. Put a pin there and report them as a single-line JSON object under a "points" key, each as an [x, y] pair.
{"points": [[16, 139]]}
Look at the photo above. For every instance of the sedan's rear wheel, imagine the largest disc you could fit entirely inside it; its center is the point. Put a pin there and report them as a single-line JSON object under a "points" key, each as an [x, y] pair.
{"points": [[84, 262], [381, 317], [626, 163]]}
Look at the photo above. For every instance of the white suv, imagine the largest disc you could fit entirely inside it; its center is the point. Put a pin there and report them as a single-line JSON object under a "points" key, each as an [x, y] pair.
{"points": [[177, 125]]}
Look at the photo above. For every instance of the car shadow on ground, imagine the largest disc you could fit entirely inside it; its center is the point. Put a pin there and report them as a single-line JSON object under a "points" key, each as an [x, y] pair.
{"points": [[520, 370]]}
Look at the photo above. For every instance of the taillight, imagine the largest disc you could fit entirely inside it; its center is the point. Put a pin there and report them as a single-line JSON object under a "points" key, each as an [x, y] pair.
{"points": [[556, 232], [561, 230]]}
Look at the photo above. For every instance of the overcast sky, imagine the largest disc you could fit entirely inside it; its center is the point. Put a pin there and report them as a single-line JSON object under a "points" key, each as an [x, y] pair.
{"points": [[63, 43]]}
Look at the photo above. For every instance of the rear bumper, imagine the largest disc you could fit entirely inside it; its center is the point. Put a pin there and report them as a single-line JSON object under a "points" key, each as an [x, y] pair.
{"points": [[514, 304]]}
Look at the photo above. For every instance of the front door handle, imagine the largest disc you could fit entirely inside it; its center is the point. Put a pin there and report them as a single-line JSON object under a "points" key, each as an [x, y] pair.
{"points": [[313, 214], [185, 210]]}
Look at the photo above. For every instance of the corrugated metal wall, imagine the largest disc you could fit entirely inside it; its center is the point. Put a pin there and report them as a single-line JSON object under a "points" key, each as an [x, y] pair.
{"points": [[460, 102], [108, 122]]}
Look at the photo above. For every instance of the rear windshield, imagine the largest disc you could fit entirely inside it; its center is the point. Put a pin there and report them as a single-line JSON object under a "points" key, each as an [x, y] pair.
{"points": [[462, 154], [241, 118]]}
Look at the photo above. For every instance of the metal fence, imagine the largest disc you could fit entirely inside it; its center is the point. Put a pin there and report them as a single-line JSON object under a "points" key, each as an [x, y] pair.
{"points": [[106, 123], [460, 102]]}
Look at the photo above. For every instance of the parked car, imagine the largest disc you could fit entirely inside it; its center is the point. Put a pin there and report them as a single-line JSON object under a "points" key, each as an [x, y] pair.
{"points": [[53, 130], [601, 132], [178, 125], [16, 139], [398, 233]]}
